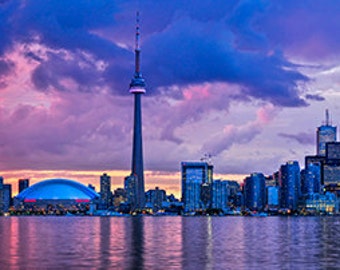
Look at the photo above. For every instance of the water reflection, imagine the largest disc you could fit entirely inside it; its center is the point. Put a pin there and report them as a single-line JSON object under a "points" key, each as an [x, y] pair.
{"points": [[169, 243], [135, 236], [197, 245]]}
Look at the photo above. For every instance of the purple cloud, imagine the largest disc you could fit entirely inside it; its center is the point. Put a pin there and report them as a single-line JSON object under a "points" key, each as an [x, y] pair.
{"points": [[315, 97], [187, 48], [242, 134], [302, 137], [198, 58]]}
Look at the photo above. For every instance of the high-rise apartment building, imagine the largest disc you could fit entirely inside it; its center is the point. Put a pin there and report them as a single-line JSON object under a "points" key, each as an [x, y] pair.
{"points": [[273, 197], [196, 185], [311, 179], [325, 133], [105, 191], [331, 167], [131, 188], [290, 185], [23, 184], [219, 195], [155, 197], [255, 192], [5, 195]]}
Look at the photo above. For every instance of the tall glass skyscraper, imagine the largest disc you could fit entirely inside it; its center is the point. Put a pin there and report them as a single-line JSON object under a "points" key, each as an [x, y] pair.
{"points": [[255, 192], [219, 196], [196, 180], [325, 133], [311, 179], [105, 190], [23, 184], [290, 185]]}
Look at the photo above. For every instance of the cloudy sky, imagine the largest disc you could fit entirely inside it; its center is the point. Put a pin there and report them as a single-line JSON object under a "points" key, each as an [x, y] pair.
{"points": [[245, 81]]}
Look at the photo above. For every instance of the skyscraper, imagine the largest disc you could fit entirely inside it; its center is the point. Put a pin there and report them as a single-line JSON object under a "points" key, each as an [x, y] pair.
{"points": [[5, 195], [131, 188], [219, 196], [196, 185], [255, 192], [105, 191], [23, 184], [137, 88], [290, 185], [325, 133], [311, 179], [155, 198], [331, 166]]}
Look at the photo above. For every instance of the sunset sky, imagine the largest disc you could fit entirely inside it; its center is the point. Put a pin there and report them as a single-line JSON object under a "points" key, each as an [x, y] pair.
{"points": [[245, 81]]}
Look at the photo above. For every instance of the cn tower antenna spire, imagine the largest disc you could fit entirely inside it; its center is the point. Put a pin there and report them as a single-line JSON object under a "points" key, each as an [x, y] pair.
{"points": [[327, 117], [137, 85], [137, 88], [137, 48]]}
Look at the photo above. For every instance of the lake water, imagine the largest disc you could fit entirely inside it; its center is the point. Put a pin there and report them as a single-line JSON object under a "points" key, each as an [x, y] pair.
{"points": [[169, 243]]}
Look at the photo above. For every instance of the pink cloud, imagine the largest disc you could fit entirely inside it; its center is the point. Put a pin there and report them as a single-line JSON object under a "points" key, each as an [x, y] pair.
{"points": [[77, 130], [240, 134]]}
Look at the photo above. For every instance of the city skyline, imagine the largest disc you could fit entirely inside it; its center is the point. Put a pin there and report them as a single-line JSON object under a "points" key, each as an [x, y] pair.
{"points": [[221, 81]]}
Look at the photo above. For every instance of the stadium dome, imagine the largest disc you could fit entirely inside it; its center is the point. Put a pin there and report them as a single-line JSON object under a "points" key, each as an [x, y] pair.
{"points": [[57, 190]]}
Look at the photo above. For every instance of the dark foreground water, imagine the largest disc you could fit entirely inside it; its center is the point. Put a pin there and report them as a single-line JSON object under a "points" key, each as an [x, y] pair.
{"points": [[169, 243]]}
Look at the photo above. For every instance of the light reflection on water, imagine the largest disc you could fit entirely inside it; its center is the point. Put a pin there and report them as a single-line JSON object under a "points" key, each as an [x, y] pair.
{"points": [[169, 243]]}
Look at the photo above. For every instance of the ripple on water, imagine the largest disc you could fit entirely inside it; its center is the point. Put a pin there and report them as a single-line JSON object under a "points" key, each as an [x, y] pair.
{"points": [[169, 243]]}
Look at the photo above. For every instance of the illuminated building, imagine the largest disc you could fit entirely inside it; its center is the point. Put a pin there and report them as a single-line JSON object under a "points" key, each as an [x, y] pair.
{"points": [[5, 195], [155, 198], [130, 186], [23, 184], [322, 203], [137, 88], [234, 194], [325, 133], [311, 179], [219, 195], [1, 194], [196, 185], [290, 185], [105, 191], [255, 192], [273, 197], [119, 197], [57, 191], [331, 168]]}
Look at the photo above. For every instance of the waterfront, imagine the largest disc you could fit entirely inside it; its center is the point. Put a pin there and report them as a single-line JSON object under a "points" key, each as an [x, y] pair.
{"points": [[169, 242]]}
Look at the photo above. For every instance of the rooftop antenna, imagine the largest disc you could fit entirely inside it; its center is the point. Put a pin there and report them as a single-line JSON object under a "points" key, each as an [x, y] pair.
{"points": [[207, 158], [327, 118]]}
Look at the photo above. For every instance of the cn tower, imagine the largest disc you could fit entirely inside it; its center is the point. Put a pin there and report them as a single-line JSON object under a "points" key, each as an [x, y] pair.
{"points": [[137, 88]]}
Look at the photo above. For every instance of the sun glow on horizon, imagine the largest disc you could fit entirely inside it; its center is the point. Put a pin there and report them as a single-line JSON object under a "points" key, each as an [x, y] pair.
{"points": [[170, 181]]}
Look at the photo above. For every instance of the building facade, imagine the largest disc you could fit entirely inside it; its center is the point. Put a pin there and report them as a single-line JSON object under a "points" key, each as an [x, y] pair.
{"points": [[23, 184], [331, 168], [219, 195], [273, 197], [196, 185], [105, 191], [255, 192], [325, 133], [131, 188], [290, 185], [155, 198], [311, 179]]}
